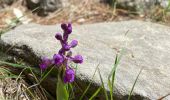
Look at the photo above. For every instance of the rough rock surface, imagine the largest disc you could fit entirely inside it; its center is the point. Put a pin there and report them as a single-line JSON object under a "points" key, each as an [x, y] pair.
{"points": [[147, 46]]}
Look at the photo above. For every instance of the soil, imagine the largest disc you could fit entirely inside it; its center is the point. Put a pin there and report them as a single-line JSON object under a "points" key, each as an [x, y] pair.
{"points": [[81, 13]]}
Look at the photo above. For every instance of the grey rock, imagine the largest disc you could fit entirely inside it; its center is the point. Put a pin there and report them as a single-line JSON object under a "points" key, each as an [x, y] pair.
{"points": [[142, 6], [4, 3], [46, 6], [146, 45], [9, 2]]}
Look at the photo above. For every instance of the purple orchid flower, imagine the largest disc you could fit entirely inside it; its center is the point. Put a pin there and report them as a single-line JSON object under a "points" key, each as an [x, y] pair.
{"points": [[64, 55], [58, 59]]}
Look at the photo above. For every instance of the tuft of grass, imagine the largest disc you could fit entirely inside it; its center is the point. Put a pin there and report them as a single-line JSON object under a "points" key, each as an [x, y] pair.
{"points": [[111, 79], [14, 87], [33, 92]]}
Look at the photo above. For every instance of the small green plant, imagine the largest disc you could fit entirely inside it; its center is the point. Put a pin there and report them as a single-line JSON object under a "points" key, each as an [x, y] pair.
{"points": [[61, 61], [111, 80]]}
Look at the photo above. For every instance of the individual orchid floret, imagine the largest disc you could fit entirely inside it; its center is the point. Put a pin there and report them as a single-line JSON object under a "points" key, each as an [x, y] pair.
{"points": [[66, 47], [61, 51], [74, 43], [58, 36], [58, 59], [69, 28], [64, 26], [45, 63], [78, 59], [69, 75]]}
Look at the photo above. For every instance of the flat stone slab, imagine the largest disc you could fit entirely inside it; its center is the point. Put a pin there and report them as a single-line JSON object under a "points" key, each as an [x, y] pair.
{"points": [[146, 45]]}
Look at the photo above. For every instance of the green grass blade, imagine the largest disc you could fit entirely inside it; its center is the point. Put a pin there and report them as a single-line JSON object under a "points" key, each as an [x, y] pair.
{"points": [[20, 74], [15, 65], [46, 74], [6, 73], [89, 84], [71, 91], [85, 91], [117, 61], [5, 70], [7, 76], [134, 84], [36, 79], [95, 94], [12, 64], [112, 74], [105, 92], [111, 89]]}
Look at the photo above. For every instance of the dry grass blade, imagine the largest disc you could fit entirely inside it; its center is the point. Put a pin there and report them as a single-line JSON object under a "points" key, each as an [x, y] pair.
{"points": [[12, 90]]}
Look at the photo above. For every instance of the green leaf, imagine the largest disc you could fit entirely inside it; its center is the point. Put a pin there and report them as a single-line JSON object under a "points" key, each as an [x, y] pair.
{"points": [[62, 93]]}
